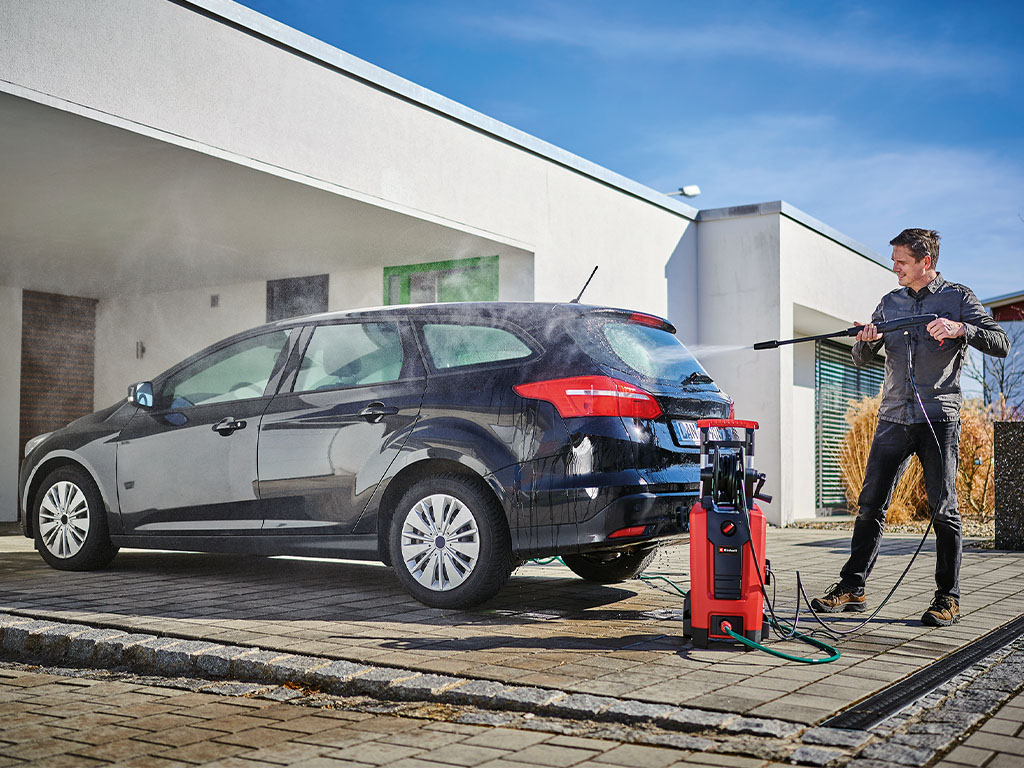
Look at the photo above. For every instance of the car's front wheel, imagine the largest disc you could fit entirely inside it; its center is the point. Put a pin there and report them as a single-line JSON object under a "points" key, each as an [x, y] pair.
{"points": [[449, 542], [610, 567], [71, 522]]}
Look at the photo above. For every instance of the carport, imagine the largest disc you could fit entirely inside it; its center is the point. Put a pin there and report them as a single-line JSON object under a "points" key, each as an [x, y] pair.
{"points": [[105, 226]]}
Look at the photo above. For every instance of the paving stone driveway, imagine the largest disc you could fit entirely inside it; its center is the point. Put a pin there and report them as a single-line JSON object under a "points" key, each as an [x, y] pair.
{"points": [[547, 628]]}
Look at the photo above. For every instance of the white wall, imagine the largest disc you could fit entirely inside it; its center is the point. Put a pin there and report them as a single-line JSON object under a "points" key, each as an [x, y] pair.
{"points": [[761, 274], [804, 444], [826, 287], [10, 396], [235, 94], [176, 324], [738, 290], [172, 326], [354, 288]]}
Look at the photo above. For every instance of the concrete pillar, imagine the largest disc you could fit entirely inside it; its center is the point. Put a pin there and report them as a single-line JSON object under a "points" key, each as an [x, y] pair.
{"points": [[1009, 457], [10, 400]]}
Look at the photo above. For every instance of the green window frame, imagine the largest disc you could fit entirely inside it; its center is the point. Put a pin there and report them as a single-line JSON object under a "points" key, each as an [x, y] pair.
{"points": [[473, 279]]}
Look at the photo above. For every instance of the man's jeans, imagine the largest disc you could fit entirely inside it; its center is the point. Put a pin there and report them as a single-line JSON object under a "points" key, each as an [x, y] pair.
{"points": [[891, 450]]}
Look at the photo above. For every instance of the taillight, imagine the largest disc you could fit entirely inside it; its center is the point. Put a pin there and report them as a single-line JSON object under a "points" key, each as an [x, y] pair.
{"points": [[732, 409], [623, 533], [653, 321], [593, 396]]}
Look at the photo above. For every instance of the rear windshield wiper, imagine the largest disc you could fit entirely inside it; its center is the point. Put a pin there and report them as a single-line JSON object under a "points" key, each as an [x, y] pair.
{"points": [[698, 377]]}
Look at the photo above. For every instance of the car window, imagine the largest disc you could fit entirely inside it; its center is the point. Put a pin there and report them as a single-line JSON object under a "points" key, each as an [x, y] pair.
{"points": [[350, 355], [453, 346], [652, 352], [235, 372]]}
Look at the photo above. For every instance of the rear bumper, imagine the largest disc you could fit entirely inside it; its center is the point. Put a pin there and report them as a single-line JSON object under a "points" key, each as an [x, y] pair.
{"points": [[662, 515]]}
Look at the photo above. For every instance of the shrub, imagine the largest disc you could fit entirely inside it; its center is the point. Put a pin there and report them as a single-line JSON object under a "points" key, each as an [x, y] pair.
{"points": [[974, 484]]}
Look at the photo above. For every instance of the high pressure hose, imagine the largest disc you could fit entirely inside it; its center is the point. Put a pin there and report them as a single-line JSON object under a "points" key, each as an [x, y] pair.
{"points": [[837, 634]]}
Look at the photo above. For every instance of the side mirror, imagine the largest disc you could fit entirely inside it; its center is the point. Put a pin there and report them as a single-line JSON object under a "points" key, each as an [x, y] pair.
{"points": [[141, 394]]}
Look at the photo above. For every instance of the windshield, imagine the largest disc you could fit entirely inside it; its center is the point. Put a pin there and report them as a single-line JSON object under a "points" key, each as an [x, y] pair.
{"points": [[642, 350]]}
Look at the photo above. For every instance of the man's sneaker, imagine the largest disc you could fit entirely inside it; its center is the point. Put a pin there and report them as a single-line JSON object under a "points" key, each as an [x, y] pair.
{"points": [[840, 598], [943, 611]]}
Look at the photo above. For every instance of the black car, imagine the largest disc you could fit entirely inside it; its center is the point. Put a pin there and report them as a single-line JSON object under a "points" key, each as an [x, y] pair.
{"points": [[451, 441]]}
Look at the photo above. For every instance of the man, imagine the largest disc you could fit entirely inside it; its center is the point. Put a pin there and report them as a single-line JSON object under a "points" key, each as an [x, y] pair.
{"points": [[933, 355]]}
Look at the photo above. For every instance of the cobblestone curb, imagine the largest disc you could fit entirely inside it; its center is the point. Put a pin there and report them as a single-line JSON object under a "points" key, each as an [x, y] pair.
{"points": [[915, 736], [64, 643]]}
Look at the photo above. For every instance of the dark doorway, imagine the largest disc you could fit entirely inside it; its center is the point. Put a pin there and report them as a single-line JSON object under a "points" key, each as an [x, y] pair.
{"points": [[296, 296], [58, 337]]}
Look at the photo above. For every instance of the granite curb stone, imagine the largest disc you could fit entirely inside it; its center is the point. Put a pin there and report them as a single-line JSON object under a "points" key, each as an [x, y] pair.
{"points": [[631, 711], [16, 636], [526, 698], [804, 755], [83, 645], [897, 753], [581, 705], [256, 668], [835, 737], [477, 693], [335, 675], [378, 680], [762, 727], [216, 661]]}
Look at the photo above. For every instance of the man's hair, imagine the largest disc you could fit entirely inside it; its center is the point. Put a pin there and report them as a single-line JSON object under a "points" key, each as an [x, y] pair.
{"points": [[921, 242]]}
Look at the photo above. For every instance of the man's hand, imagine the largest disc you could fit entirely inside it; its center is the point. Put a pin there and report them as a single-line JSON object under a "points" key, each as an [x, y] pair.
{"points": [[867, 332], [941, 328]]}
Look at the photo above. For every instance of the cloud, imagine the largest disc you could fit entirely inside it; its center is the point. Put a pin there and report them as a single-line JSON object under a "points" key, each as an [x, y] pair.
{"points": [[789, 41], [867, 191]]}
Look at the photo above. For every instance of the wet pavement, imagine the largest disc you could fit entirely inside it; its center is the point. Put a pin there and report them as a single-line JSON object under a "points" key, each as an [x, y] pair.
{"points": [[547, 629]]}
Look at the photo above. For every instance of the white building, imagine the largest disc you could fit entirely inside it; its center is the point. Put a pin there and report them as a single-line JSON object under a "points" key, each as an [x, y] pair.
{"points": [[167, 162]]}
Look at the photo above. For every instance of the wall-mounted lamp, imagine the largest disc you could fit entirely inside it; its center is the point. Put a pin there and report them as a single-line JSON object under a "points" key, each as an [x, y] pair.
{"points": [[690, 190]]}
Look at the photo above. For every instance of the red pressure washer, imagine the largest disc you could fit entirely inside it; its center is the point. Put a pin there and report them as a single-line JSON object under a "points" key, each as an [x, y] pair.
{"points": [[726, 594]]}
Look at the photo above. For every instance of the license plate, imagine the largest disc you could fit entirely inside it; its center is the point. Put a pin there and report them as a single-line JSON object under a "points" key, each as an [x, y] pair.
{"points": [[688, 433]]}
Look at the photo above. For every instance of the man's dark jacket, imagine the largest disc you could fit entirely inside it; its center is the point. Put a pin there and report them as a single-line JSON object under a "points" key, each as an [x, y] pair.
{"points": [[936, 364]]}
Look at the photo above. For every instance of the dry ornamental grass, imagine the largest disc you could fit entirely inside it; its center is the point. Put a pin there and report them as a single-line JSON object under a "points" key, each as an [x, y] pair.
{"points": [[974, 481]]}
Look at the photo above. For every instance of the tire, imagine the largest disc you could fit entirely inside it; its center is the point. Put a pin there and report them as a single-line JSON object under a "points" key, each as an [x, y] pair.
{"points": [[70, 522], [610, 567], [430, 516]]}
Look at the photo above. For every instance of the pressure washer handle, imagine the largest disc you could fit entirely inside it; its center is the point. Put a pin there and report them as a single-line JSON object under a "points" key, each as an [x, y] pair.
{"points": [[886, 326]]}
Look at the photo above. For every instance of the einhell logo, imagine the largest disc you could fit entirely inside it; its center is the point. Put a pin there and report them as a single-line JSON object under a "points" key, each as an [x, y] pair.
{"points": [[728, 550]]}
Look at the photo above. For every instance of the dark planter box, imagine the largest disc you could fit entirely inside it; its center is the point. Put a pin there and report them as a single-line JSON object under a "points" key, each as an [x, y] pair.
{"points": [[1009, 456]]}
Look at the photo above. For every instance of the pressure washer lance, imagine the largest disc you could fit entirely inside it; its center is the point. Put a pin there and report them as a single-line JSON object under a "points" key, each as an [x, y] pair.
{"points": [[886, 326]]}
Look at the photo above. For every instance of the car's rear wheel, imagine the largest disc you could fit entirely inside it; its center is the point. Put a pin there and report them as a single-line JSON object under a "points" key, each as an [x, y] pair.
{"points": [[610, 567], [449, 542], [71, 522]]}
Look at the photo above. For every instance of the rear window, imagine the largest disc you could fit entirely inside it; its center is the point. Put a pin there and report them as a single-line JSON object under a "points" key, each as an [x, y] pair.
{"points": [[642, 350], [454, 346]]}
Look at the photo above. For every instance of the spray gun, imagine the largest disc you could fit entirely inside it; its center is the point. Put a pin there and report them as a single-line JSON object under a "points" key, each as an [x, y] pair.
{"points": [[886, 326]]}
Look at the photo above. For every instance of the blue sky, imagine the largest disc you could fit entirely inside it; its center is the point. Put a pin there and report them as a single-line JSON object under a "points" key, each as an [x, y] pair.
{"points": [[871, 117]]}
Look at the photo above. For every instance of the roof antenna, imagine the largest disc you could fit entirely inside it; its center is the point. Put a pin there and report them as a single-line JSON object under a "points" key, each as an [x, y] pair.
{"points": [[577, 299]]}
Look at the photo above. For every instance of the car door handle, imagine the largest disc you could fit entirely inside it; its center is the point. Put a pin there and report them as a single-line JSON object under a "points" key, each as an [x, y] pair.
{"points": [[228, 425], [374, 412]]}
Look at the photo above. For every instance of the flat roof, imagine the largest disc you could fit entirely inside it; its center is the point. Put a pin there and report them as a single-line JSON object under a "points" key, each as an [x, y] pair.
{"points": [[274, 32], [783, 208]]}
